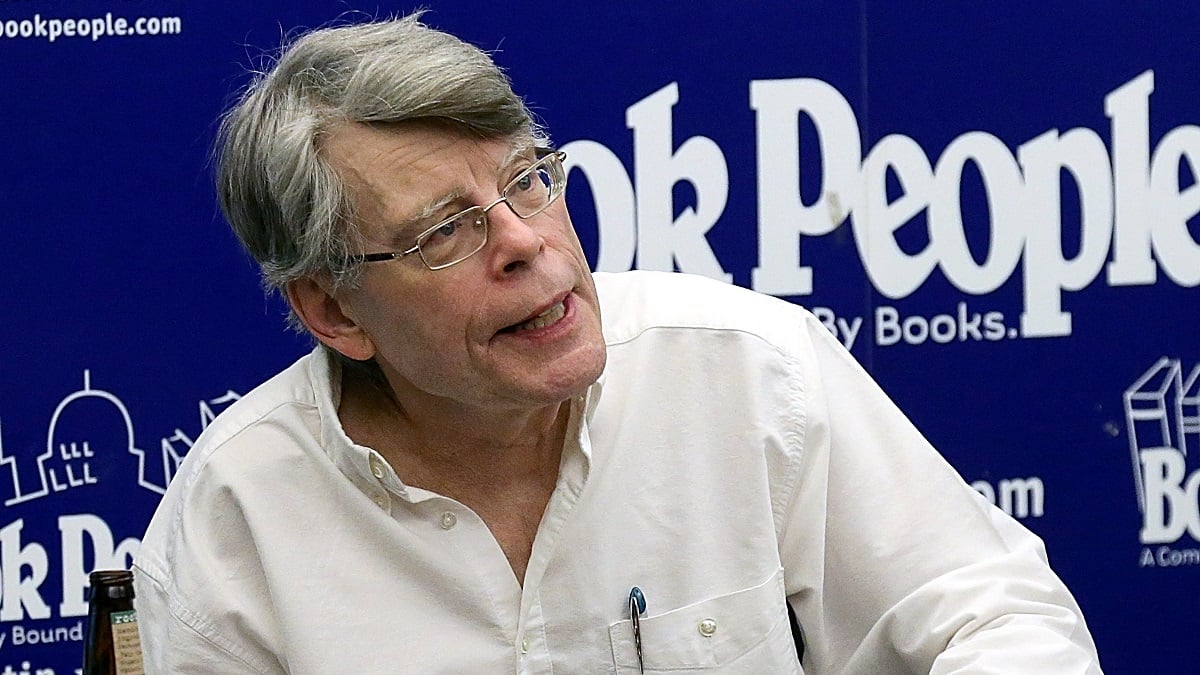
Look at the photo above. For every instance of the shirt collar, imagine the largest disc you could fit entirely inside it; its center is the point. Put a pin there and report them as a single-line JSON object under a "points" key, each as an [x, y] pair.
{"points": [[359, 464]]}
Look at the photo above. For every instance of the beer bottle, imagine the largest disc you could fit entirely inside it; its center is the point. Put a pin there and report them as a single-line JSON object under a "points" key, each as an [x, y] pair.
{"points": [[112, 645]]}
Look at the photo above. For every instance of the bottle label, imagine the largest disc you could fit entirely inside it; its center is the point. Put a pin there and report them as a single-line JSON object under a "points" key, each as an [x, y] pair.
{"points": [[127, 644]]}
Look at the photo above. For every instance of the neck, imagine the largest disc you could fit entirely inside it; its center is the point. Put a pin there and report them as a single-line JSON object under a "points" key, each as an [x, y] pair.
{"points": [[452, 442]]}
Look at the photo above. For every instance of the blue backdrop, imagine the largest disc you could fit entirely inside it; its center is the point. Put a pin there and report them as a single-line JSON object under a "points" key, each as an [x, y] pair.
{"points": [[994, 206]]}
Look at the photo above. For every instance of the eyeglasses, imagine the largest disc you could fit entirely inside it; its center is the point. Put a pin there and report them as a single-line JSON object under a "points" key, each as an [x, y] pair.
{"points": [[462, 235]]}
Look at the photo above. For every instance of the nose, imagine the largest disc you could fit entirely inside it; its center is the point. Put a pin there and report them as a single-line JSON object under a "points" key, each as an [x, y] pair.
{"points": [[515, 242]]}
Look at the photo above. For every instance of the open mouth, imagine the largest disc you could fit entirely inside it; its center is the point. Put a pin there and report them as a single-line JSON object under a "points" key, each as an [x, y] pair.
{"points": [[555, 312]]}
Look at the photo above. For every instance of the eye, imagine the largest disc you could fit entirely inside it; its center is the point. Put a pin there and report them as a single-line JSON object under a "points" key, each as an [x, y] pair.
{"points": [[448, 228], [524, 182]]}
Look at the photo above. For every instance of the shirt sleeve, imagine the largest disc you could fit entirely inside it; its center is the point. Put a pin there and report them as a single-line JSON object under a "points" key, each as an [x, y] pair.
{"points": [[177, 642], [893, 563]]}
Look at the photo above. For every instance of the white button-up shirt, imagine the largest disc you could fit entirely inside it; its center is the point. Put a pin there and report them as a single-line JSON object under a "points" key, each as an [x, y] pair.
{"points": [[732, 455]]}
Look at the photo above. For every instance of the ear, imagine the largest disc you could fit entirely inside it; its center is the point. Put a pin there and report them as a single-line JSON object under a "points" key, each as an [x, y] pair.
{"points": [[324, 317]]}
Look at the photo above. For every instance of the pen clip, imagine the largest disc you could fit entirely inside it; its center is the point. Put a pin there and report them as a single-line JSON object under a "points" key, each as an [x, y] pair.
{"points": [[637, 607]]}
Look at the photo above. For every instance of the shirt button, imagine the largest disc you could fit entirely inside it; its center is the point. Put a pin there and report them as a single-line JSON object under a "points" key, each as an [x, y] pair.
{"points": [[376, 468], [524, 645], [449, 520], [707, 627]]}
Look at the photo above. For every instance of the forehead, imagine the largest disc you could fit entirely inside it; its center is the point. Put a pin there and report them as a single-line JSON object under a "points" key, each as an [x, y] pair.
{"points": [[395, 172], [411, 151]]}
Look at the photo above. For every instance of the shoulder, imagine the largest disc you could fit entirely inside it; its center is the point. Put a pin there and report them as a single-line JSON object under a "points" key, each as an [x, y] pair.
{"points": [[633, 303], [258, 434], [287, 401], [236, 494]]}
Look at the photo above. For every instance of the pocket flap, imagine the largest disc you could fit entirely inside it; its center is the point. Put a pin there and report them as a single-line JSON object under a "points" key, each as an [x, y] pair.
{"points": [[712, 632]]}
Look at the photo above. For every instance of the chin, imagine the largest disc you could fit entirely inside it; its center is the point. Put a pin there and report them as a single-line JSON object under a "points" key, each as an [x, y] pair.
{"points": [[563, 381]]}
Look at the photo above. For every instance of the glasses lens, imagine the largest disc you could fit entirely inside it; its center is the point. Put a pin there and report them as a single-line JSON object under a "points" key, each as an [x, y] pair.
{"points": [[537, 187], [453, 239]]}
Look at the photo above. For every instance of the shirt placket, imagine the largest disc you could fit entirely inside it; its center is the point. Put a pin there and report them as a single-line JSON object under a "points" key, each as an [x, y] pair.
{"points": [[470, 543], [533, 649]]}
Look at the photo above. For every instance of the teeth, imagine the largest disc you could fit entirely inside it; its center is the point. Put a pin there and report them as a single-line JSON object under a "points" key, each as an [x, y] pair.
{"points": [[544, 319]]}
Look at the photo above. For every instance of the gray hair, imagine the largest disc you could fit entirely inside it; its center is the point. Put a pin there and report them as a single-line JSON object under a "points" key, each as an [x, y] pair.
{"points": [[284, 200]]}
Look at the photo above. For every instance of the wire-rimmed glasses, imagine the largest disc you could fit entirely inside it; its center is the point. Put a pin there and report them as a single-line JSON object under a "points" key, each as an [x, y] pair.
{"points": [[463, 234]]}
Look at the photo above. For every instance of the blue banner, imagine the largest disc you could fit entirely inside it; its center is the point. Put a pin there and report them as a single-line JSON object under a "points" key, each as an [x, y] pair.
{"points": [[993, 206]]}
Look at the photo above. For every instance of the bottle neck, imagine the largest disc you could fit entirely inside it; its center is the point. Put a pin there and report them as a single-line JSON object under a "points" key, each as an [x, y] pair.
{"points": [[111, 585]]}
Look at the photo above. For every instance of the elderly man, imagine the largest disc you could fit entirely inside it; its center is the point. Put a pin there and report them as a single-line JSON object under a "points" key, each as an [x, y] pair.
{"points": [[496, 461]]}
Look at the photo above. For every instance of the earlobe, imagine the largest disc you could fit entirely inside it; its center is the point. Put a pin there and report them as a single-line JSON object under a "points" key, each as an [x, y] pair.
{"points": [[325, 318]]}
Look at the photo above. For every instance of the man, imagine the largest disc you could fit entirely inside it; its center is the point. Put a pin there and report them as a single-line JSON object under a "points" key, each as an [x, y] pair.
{"points": [[495, 461]]}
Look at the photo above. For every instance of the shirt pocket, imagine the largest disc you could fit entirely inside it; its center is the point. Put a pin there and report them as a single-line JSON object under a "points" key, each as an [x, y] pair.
{"points": [[746, 631]]}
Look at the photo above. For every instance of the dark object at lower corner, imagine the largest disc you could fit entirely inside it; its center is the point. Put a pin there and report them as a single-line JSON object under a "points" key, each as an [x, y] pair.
{"points": [[797, 634]]}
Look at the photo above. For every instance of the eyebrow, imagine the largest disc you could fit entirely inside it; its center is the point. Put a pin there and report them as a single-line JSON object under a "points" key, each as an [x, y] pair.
{"points": [[404, 231], [521, 147]]}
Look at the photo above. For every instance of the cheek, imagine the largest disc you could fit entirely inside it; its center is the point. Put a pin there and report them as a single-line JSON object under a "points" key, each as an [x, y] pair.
{"points": [[569, 234], [422, 331], [385, 316], [565, 242]]}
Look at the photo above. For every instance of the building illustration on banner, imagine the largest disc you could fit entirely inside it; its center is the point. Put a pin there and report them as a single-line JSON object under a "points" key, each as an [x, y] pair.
{"points": [[1162, 421], [90, 443], [175, 446], [91, 428]]}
